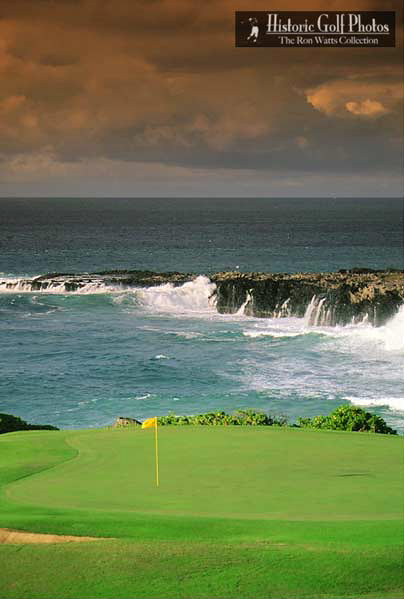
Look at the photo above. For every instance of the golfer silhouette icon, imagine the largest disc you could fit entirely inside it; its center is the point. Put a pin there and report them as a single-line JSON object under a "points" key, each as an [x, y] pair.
{"points": [[254, 30]]}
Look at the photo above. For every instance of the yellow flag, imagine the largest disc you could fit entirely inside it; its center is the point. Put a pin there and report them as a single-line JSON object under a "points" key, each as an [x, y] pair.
{"points": [[149, 422]]}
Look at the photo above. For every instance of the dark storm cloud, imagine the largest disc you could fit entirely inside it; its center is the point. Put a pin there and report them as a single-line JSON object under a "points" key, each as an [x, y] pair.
{"points": [[160, 81]]}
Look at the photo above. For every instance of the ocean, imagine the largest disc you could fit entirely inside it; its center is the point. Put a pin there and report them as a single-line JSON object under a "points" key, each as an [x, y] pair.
{"points": [[81, 359]]}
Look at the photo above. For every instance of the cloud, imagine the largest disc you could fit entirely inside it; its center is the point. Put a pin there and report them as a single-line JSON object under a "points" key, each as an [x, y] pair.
{"points": [[160, 82], [43, 174], [367, 108], [357, 96]]}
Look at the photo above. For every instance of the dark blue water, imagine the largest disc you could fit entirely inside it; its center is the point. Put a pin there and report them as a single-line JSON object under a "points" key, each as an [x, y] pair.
{"points": [[83, 359], [202, 236]]}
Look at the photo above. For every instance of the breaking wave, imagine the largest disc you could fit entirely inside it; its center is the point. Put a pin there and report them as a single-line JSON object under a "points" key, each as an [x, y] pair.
{"points": [[391, 335], [196, 296], [396, 404], [17, 285]]}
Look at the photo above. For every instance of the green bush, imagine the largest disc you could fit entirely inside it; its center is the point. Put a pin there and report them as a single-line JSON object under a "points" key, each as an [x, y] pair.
{"points": [[239, 418], [9, 424], [344, 418], [348, 418]]}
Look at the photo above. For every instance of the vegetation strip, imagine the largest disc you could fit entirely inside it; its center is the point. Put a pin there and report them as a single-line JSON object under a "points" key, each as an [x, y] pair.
{"points": [[343, 418]]}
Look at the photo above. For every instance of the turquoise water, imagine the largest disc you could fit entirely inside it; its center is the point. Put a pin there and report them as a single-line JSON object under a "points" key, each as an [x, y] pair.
{"points": [[83, 359]]}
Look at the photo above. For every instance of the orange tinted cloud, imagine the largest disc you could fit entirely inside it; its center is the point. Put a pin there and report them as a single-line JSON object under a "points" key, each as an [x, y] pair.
{"points": [[160, 81], [356, 96]]}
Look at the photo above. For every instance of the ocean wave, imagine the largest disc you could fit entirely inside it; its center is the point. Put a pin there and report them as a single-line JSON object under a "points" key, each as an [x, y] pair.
{"points": [[185, 334], [195, 296], [389, 337], [396, 404], [142, 397], [18, 285], [276, 334]]}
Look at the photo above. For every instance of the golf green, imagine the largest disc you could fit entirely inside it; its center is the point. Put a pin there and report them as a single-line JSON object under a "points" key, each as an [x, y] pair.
{"points": [[240, 512]]}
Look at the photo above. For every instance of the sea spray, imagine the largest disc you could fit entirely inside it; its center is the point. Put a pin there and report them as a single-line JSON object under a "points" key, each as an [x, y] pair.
{"points": [[323, 299], [241, 310], [391, 335], [194, 296], [97, 352], [17, 285], [396, 404]]}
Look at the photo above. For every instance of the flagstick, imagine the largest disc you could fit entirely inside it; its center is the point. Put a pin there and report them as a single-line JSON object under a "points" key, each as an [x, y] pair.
{"points": [[157, 453]]}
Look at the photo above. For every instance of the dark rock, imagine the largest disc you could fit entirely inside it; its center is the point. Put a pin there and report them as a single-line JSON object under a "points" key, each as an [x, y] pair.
{"points": [[337, 298], [342, 297]]}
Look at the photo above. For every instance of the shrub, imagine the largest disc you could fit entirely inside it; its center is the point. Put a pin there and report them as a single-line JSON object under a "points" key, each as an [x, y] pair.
{"points": [[348, 418], [240, 418], [9, 424]]}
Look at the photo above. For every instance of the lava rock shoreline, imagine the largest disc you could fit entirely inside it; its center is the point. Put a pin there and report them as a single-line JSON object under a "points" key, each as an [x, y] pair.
{"points": [[324, 298]]}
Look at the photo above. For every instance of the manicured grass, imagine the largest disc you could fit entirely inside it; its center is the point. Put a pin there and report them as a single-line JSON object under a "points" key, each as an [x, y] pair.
{"points": [[172, 569], [240, 512]]}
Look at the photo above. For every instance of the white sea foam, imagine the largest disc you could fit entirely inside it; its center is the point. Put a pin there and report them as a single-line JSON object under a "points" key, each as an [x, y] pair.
{"points": [[197, 297], [272, 333], [120, 298], [185, 334], [393, 403], [361, 337], [315, 314], [241, 310], [192, 297], [389, 337], [277, 327], [14, 285]]}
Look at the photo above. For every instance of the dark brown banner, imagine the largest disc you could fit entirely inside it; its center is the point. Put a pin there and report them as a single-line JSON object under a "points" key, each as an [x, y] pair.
{"points": [[328, 29]]}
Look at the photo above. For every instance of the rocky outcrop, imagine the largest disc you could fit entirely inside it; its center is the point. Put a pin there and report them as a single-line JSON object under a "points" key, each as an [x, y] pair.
{"points": [[123, 278], [67, 282], [123, 421], [323, 298]]}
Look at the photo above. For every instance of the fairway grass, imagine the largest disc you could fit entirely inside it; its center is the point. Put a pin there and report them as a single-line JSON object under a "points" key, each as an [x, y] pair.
{"points": [[250, 512]]}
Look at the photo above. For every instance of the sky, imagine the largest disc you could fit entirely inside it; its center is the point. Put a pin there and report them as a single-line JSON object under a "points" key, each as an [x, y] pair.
{"points": [[152, 98]]}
